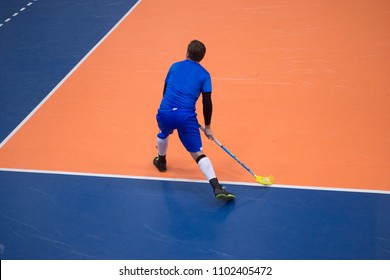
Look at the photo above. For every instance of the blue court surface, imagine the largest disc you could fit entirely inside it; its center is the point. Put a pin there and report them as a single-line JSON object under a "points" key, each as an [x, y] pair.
{"points": [[51, 216], [62, 216]]}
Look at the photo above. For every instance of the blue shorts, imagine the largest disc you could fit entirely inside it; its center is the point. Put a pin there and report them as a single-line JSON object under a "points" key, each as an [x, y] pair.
{"points": [[187, 126]]}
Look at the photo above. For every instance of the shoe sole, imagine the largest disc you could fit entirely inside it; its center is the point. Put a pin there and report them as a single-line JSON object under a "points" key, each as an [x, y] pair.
{"points": [[225, 197]]}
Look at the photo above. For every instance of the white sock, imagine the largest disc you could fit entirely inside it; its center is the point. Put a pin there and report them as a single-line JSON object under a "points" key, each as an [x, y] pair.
{"points": [[162, 146], [207, 168]]}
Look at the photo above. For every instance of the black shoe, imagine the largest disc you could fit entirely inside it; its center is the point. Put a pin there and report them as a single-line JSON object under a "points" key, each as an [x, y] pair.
{"points": [[160, 164], [221, 193]]}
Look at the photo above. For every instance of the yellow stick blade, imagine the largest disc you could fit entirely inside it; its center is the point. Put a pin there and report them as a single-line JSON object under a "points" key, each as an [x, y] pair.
{"points": [[265, 180]]}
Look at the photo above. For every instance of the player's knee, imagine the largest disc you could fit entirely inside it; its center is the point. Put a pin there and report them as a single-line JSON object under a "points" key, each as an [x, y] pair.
{"points": [[200, 157]]}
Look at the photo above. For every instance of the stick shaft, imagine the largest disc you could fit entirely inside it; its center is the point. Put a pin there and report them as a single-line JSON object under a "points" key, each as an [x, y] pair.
{"points": [[231, 154], [234, 157]]}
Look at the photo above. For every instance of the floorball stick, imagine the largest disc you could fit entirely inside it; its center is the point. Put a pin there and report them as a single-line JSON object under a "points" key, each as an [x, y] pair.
{"points": [[264, 180]]}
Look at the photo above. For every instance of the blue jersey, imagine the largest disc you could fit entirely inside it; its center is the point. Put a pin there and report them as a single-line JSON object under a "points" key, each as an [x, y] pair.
{"points": [[185, 81]]}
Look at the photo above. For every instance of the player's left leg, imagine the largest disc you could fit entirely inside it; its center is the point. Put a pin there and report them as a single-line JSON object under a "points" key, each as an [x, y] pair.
{"points": [[160, 161], [165, 121]]}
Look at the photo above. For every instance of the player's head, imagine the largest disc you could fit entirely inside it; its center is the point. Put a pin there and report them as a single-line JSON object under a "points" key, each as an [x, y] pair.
{"points": [[196, 50]]}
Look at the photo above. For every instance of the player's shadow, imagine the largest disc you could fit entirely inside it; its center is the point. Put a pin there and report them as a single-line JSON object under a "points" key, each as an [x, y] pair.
{"points": [[195, 213]]}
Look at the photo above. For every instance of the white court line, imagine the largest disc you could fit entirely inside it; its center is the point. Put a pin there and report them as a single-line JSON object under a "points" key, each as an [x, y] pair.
{"points": [[15, 14], [65, 78], [118, 176]]}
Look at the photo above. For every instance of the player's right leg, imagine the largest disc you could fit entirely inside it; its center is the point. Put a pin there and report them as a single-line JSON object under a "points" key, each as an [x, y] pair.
{"points": [[207, 169], [189, 135]]}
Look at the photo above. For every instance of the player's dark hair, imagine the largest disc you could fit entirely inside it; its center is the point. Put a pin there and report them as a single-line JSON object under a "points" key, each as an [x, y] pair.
{"points": [[196, 50]]}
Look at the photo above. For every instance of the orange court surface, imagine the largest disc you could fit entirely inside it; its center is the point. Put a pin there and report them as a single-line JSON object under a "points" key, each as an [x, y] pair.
{"points": [[300, 91]]}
